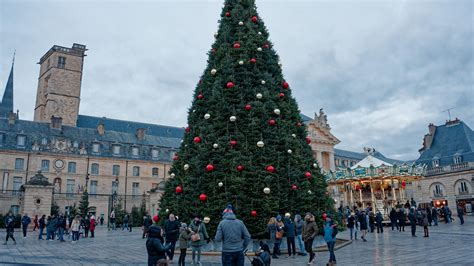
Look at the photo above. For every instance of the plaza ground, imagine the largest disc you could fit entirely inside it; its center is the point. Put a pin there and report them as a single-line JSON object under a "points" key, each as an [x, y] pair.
{"points": [[448, 244]]}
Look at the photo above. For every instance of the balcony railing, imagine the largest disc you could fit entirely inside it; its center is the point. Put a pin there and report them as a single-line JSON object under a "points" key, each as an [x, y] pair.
{"points": [[450, 168]]}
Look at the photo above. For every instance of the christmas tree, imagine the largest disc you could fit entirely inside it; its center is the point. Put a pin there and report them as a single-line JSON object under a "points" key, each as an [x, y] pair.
{"points": [[246, 143], [84, 204]]}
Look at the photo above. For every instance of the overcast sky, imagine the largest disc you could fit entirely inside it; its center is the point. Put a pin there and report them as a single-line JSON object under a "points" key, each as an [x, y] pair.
{"points": [[382, 70]]}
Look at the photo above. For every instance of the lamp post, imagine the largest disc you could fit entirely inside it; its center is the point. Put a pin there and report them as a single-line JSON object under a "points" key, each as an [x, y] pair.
{"points": [[87, 181]]}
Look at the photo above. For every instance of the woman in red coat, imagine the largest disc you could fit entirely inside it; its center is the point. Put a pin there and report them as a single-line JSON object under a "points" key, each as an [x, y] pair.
{"points": [[92, 225]]}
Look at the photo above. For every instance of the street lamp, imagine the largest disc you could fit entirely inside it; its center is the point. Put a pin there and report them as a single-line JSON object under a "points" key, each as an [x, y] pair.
{"points": [[87, 181]]}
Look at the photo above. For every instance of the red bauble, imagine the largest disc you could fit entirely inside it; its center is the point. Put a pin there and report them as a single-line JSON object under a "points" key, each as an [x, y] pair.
{"points": [[281, 95], [253, 213], [266, 46], [200, 97], [270, 169], [299, 124], [308, 140], [357, 187], [175, 158], [285, 85], [209, 167], [236, 45], [253, 60], [324, 216], [307, 175], [227, 14], [248, 107], [404, 184], [233, 142], [179, 189], [294, 187], [188, 129], [203, 197], [197, 140], [272, 122], [254, 19], [230, 84], [240, 168]]}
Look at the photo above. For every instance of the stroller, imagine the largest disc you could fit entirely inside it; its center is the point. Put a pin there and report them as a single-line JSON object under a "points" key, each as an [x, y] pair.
{"points": [[262, 256]]}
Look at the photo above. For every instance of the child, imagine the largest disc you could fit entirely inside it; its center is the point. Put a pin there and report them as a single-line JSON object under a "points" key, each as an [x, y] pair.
{"points": [[263, 255], [184, 237]]}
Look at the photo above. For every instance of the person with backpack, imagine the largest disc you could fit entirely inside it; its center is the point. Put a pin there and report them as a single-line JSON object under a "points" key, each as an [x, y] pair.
{"points": [[9, 221], [310, 230], [290, 235], [299, 223], [330, 232], [25, 221], [41, 226], [234, 236]]}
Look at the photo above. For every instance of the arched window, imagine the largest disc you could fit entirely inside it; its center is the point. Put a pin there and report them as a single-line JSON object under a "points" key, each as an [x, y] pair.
{"points": [[457, 159]]}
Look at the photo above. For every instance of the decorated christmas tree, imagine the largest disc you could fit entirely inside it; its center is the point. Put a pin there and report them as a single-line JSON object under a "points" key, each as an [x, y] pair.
{"points": [[245, 143]]}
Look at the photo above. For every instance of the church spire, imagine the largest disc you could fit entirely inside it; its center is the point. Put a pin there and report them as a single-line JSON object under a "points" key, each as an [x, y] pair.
{"points": [[6, 106]]}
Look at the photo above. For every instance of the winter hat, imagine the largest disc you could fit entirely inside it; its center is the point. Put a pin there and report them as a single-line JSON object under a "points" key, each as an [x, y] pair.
{"points": [[228, 209], [298, 217], [287, 215], [184, 225], [278, 217], [156, 218]]}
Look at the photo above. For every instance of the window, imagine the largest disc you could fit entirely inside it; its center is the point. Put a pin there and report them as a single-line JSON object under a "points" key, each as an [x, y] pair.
{"points": [[17, 182], [435, 163], [95, 147], [70, 187], [116, 149], [5, 181], [95, 169], [463, 188], [135, 188], [71, 167], [93, 189], [15, 209], [457, 159], [154, 153], [116, 170], [44, 141], [61, 62], [19, 163], [75, 144], [154, 171], [135, 151], [115, 187], [1, 139], [136, 171], [45, 165], [438, 191], [20, 141]]}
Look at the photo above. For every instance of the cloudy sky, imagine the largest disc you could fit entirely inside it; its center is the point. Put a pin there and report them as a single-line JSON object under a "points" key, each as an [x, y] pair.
{"points": [[382, 70]]}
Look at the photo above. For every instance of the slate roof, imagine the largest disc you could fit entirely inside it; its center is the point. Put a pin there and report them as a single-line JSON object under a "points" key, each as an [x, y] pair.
{"points": [[6, 105], [449, 140]]}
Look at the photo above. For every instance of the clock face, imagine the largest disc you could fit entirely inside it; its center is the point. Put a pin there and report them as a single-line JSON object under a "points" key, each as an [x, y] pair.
{"points": [[59, 163]]}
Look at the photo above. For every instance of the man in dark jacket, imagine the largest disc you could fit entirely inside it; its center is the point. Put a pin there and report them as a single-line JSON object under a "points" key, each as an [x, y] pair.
{"points": [[460, 210], [299, 223], [393, 218], [147, 222], [234, 236], [25, 221], [42, 225], [51, 226], [154, 245], [61, 227], [290, 230], [171, 228], [412, 218], [9, 221], [379, 222], [310, 230]]}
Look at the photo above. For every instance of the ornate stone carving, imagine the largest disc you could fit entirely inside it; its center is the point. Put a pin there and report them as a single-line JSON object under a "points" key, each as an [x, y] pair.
{"points": [[322, 119]]}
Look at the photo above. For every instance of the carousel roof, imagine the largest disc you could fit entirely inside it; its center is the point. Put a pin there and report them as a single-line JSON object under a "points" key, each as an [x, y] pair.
{"points": [[370, 161]]}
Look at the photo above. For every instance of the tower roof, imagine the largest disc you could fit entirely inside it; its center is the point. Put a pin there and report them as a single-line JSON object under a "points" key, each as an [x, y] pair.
{"points": [[6, 106]]}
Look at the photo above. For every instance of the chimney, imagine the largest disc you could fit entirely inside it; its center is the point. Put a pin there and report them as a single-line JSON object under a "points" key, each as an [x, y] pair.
{"points": [[101, 129], [12, 117], [56, 122], [140, 133], [432, 129]]}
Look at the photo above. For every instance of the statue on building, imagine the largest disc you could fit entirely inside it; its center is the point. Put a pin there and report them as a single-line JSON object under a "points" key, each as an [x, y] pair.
{"points": [[322, 119]]}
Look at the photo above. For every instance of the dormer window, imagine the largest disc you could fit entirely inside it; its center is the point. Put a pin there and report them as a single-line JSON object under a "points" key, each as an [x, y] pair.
{"points": [[44, 141], [135, 151], [21, 140], [457, 159], [75, 144], [1, 138], [116, 149], [435, 163], [95, 147], [154, 153]]}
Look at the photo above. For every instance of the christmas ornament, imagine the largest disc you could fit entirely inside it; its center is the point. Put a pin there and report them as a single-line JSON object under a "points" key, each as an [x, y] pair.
{"points": [[294, 187], [259, 49], [259, 96], [179, 189], [213, 71], [404, 184], [270, 169], [233, 143], [175, 158], [167, 210], [241, 62], [227, 14], [259, 33], [315, 165], [188, 129], [290, 151], [206, 220], [210, 168], [215, 145], [241, 23], [285, 85], [215, 34], [220, 184], [172, 175], [324, 216], [308, 140], [276, 111], [254, 19], [253, 60], [230, 84], [186, 166], [293, 135], [307, 175], [253, 213], [236, 45], [280, 64], [203, 197], [232, 118], [248, 107], [181, 141], [310, 192], [299, 124], [272, 122], [197, 140], [266, 46], [240, 168], [263, 82], [207, 116], [200, 97], [260, 144], [266, 190]]}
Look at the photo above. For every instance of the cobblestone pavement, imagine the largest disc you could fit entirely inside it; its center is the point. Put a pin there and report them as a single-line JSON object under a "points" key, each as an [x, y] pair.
{"points": [[448, 244]]}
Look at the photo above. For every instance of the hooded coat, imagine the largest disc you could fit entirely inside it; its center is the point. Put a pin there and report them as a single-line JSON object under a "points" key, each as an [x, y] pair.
{"points": [[154, 245], [310, 229], [233, 233]]}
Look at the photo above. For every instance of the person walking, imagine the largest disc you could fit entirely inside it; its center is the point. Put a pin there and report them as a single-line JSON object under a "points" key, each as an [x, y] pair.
{"points": [[234, 237], [125, 221], [184, 237], [171, 231], [299, 223], [401, 220], [290, 231], [41, 226], [434, 216], [112, 220], [425, 223], [379, 222], [35, 222], [460, 210], [25, 221], [272, 231], [92, 225], [86, 225], [362, 219], [393, 219], [330, 232], [310, 230], [75, 225], [371, 221], [9, 222], [351, 225], [51, 226], [147, 222], [199, 237], [61, 227], [154, 244], [412, 219], [101, 219]]}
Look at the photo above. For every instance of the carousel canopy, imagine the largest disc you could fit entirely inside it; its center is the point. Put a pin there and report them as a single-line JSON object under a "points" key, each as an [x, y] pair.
{"points": [[370, 161]]}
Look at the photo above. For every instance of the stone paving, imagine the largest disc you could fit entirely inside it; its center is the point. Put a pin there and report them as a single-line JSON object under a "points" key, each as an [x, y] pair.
{"points": [[448, 244]]}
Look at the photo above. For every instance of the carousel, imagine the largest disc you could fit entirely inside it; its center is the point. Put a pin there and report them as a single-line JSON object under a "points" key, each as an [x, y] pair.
{"points": [[374, 183]]}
